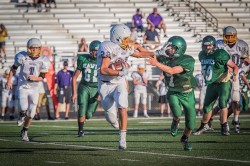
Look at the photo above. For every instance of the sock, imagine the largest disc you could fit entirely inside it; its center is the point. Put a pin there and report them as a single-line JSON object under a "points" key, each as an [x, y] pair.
{"points": [[123, 134], [80, 126], [236, 118], [25, 129], [145, 112], [3, 114]]}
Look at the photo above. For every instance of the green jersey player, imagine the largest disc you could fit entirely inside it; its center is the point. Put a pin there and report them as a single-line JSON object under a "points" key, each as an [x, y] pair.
{"points": [[178, 70], [214, 63], [87, 92]]}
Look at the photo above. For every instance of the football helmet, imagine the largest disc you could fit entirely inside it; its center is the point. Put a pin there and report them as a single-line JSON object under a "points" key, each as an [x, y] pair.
{"points": [[175, 46], [93, 47], [120, 34], [34, 47], [229, 35], [140, 68], [208, 41]]}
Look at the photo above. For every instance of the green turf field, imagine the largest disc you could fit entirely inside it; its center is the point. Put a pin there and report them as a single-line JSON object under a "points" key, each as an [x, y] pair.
{"points": [[148, 141]]}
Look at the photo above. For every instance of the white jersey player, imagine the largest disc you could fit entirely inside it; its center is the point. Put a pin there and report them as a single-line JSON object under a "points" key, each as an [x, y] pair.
{"points": [[33, 67], [112, 83], [140, 81], [7, 95], [239, 52], [202, 91]]}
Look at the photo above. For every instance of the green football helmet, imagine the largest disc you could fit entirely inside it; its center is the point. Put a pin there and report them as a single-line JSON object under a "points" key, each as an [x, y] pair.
{"points": [[208, 41], [93, 47], [175, 46]]}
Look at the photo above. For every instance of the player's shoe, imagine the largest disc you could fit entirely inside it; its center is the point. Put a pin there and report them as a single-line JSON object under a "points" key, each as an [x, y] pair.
{"points": [[174, 127], [203, 127], [135, 115], [186, 145], [210, 123], [236, 126], [146, 115], [116, 124], [224, 129], [24, 135], [80, 134], [20, 119], [122, 143]]}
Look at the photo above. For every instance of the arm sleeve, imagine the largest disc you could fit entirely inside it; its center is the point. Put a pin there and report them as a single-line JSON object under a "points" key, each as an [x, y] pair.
{"points": [[187, 64], [80, 61], [223, 57]]}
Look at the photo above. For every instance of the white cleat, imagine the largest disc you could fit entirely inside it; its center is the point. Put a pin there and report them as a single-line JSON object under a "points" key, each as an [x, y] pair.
{"points": [[25, 136], [115, 125], [122, 144], [135, 114], [146, 115]]}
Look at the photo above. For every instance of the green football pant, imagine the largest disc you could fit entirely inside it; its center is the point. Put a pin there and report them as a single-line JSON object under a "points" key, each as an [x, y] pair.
{"points": [[214, 91], [87, 100], [177, 101]]}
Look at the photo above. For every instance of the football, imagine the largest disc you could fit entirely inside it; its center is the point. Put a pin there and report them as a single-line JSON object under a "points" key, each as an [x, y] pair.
{"points": [[118, 65]]}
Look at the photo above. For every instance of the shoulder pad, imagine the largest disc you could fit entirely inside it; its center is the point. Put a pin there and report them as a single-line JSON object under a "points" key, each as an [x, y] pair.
{"points": [[20, 57]]}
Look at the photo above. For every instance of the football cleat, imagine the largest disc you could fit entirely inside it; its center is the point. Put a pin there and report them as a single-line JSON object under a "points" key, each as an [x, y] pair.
{"points": [[20, 119], [224, 129], [174, 127], [146, 115], [203, 127], [80, 134], [210, 123], [186, 145], [24, 135], [115, 125], [135, 114], [236, 126]]}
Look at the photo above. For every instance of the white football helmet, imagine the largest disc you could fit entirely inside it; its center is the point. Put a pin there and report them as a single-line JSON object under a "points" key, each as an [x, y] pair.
{"points": [[141, 68], [34, 47], [120, 34], [229, 35]]}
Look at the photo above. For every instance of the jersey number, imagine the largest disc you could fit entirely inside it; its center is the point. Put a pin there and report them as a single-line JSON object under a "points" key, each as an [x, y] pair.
{"points": [[31, 69], [207, 72], [88, 74]]}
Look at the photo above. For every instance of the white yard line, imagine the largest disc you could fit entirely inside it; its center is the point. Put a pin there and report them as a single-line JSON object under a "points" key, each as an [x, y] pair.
{"points": [[129, 151]]}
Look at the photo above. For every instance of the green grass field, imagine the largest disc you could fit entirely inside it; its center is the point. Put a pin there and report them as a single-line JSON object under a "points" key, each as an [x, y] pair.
{"points": [[148, 141]]}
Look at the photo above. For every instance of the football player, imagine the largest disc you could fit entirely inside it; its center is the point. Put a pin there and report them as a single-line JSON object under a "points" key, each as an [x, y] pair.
{"points": [[239, 52], [178, 70], [244, 87], [87, 92], [202, 89], [214, 63], [140, 81], [7, 95], [33, 68], [112, 83]]}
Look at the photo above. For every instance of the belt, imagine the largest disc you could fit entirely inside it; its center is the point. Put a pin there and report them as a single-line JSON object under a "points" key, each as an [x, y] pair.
{"points": [[65, 87], [105, 81]]}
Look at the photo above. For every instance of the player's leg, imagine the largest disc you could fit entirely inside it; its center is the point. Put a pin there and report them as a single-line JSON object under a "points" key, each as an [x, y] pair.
{"points": [[188, 102], [144, 103], [176, 110], [23, 105], [32, 105], [137, 101], [235, 104], [92, 105], [210, 99], [121, 100], [4, 105], [224, 91], [106, 93]]}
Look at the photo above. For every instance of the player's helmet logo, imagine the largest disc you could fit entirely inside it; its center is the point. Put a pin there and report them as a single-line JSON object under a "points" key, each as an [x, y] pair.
{"points": [[175, 46], [120, 34], [93, 48], [229, 35], [34, 47], [208, 44]]}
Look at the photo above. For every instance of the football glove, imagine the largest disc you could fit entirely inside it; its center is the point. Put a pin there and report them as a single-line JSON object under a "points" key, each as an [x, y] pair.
{"points": [[124, 71]]}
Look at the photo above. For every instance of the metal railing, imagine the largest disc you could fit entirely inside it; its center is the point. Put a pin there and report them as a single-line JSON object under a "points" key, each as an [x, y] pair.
{"points": [[209, 18]]}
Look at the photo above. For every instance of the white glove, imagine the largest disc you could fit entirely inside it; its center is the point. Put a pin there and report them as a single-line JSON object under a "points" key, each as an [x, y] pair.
{"points": [[124, 71], [161, 52]]}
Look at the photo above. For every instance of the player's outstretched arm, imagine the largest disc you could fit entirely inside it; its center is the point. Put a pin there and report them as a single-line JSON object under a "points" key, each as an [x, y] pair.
{"points": [[167, 69], [142, 52], [74, 78], [8, 85]]}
